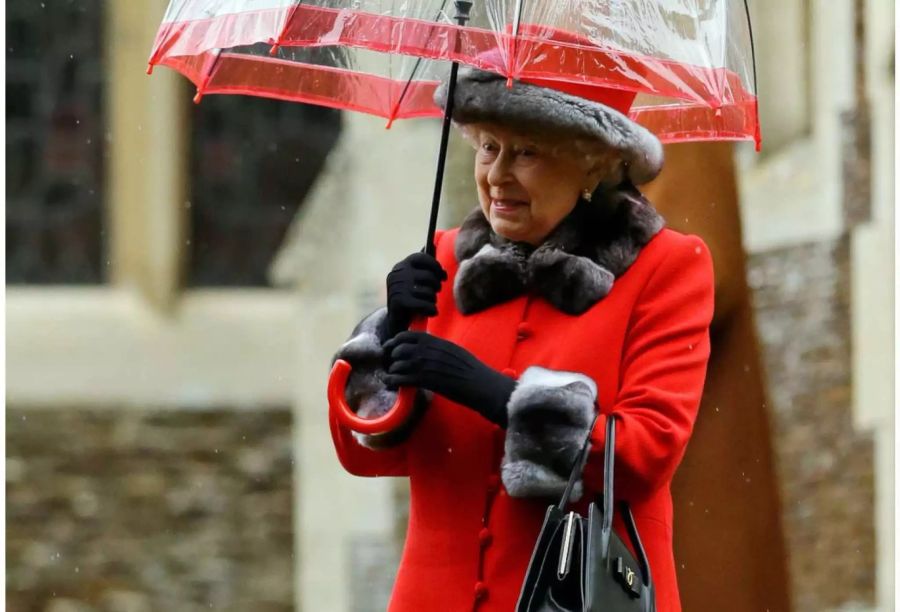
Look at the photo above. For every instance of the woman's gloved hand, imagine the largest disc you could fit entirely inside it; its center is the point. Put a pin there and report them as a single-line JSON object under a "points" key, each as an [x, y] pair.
{"points": [[412, 288], [421, 360]]}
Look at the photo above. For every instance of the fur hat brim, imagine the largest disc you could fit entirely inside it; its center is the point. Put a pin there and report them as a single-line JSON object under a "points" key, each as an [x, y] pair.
{"points": [[484, 97]]}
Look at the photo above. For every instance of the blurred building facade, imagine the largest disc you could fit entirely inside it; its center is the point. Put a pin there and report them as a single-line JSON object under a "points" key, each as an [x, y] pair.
{"points": [[150, 459], [167, 436], [818, 216]]}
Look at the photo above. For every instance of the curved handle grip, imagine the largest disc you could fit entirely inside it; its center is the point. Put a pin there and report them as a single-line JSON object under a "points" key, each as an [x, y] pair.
{"points": [[392, 419]]}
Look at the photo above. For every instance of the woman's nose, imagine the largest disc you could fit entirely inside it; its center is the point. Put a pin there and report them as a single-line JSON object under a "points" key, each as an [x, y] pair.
{"points": [[500, 171]]}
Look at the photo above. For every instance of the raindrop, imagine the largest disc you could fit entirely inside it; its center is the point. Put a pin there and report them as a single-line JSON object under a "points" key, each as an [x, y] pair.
{"points": [[43, 5], [698, 250], [188, 242], [88, 141]]}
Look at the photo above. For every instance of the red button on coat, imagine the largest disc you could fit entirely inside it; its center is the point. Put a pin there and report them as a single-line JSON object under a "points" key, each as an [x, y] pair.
{"points": [[481, 590], [485, 537], [524, 330]]}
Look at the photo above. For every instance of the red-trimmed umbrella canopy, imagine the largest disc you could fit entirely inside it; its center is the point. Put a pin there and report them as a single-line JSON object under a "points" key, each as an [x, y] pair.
{"points": [[689, 62]]}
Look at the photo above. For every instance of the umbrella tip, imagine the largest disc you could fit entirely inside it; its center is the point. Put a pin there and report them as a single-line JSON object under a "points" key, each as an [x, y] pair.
{"points": [[509, 82], [198, 96], [389, 123], [149, 67], [273, 50]]}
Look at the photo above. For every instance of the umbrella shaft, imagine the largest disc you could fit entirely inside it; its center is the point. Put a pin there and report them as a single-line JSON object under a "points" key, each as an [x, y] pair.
{"points": [[442, 159], [462, 16]]}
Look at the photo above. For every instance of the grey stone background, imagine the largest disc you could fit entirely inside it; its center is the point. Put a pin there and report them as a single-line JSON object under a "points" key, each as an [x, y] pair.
{"points": [[826, 468], [139, 511]]}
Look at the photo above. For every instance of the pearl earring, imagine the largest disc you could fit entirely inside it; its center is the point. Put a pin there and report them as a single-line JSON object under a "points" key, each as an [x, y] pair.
{"points": [[587, 195]]}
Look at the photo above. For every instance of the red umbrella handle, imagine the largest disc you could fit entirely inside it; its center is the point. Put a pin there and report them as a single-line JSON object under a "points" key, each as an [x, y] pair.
{"points": [[391, 420]]}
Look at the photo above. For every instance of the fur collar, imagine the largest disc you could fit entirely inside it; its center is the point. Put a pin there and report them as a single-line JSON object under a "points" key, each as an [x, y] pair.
{"points": [[573, 269]]}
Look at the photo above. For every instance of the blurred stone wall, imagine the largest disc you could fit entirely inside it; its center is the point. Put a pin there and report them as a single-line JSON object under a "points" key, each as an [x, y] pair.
{"points": [[139, 511], [801, 295]]}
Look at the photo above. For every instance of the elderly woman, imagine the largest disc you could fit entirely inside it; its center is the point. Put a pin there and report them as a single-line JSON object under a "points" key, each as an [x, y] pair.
{"points": [[561, 296]]}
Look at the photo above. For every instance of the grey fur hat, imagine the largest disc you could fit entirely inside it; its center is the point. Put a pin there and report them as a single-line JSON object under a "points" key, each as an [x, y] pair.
{"points": [[484, 96]]}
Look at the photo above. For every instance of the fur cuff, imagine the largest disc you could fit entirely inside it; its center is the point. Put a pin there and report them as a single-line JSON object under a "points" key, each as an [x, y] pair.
{"points": [[550, 414], [365, 391]]}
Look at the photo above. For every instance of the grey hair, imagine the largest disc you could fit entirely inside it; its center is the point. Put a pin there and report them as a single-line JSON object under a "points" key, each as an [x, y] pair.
{"points": [[588, 153]]}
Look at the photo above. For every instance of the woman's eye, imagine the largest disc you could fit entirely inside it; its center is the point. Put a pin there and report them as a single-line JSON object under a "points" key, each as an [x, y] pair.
{"points": [[487, 150], [527, 154]]}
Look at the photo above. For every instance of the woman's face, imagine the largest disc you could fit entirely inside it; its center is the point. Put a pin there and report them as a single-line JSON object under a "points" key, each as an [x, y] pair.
{"points": [[526, 187]]}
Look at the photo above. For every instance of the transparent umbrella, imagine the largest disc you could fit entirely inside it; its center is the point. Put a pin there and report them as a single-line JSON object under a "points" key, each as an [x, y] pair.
{"points": [[690, 62]]}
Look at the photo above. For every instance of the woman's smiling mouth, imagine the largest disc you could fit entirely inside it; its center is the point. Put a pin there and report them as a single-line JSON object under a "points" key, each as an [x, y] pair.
{"points": [[507, 207]]}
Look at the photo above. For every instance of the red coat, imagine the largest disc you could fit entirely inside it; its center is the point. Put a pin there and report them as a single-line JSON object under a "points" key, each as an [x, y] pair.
{"points": [[646, 346]]}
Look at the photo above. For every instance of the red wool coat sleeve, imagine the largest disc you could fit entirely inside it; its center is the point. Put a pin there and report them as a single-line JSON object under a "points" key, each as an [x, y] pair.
{"points": [[664, 362]]}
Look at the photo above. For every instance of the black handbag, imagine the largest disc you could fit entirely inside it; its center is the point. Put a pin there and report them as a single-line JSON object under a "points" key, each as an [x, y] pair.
{"points": [[579, 563]]}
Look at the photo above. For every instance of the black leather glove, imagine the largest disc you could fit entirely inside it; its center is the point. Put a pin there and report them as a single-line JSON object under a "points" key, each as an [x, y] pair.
{"points": [[421, 360], [412, 288]]}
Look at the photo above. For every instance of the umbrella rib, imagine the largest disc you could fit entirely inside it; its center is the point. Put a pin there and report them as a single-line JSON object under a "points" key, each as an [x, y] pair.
{"points": [[154, 57], [207, 77], [276, 42], [514, 45], [758, 135], [396, 107]]}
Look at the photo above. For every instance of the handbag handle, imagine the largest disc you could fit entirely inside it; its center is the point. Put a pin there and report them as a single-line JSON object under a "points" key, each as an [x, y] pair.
{"points": [[609, 459], [581, 459]]}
